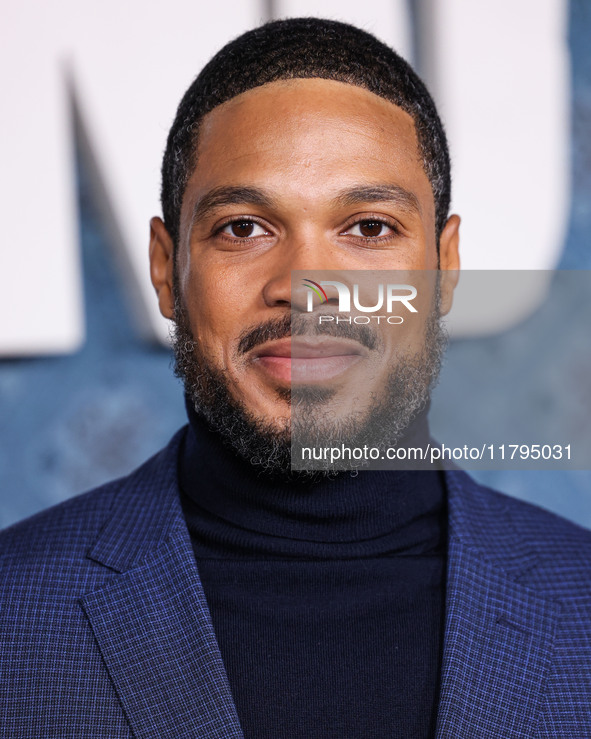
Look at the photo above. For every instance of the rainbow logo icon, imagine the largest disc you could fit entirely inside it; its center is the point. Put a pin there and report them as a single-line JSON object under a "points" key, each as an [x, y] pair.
{"points": [[311, 285]]}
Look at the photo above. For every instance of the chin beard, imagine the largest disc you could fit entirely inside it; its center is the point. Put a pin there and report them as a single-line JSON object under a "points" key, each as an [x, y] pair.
{"points": [[267, 446]]}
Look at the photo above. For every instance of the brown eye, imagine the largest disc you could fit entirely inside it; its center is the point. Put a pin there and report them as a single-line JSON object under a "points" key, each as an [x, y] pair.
{"points": [[243, 229], [371, 228]]}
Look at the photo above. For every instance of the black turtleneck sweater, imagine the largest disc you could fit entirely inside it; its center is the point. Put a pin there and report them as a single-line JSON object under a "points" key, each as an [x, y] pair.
{"points": [[327, 599]]}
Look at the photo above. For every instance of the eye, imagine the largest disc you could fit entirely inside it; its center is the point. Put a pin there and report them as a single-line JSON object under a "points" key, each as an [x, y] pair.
{"points": [[243, 228], [370, 228]]}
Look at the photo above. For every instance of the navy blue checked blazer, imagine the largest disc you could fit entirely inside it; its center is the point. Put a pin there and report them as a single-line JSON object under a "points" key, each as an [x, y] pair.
{"points": [[105, 631]]}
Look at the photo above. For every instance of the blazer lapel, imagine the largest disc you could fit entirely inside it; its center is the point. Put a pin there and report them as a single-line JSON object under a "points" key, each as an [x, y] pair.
{"points": [[498, 634], [152, 624]]}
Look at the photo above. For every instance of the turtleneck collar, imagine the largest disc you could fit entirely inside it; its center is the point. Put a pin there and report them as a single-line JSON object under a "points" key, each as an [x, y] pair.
{"points": [[233, 509]]}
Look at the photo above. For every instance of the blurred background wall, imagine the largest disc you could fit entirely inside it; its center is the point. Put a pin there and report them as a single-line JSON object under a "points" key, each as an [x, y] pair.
{"points": [[86, 387]]}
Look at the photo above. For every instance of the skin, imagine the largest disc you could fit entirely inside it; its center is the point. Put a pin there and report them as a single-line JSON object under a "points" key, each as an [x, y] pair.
{"points": [[303, 144]]}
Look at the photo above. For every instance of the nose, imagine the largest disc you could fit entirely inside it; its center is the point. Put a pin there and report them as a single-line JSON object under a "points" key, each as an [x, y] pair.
{"points": [[285, 286]]}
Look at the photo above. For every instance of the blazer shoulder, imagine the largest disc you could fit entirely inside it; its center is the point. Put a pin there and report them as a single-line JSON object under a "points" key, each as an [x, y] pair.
{"points": [[550, 533], [74, 521], [516, 534]]}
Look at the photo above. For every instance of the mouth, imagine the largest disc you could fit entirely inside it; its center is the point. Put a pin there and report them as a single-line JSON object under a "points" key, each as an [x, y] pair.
{"points": [[306, 360]]}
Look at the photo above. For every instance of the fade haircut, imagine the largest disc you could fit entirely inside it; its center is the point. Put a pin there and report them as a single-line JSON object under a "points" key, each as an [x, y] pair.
{"points": [[299, 48]]}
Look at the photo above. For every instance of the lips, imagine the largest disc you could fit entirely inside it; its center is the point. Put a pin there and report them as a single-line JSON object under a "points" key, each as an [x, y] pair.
{"points": [[308, 359]]}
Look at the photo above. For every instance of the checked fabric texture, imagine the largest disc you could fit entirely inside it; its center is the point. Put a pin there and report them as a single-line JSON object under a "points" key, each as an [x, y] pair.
{"points": [[105, 631]]}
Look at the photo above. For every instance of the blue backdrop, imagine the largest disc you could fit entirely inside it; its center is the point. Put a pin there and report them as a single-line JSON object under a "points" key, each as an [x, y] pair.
{"points": [[70, 423]]}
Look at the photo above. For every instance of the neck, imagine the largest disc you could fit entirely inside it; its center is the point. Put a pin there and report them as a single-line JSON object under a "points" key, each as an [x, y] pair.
{"points": [[359, 514]]}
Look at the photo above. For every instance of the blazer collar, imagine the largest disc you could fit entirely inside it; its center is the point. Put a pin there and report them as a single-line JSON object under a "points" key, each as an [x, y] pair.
{"points": [[145, 512]]}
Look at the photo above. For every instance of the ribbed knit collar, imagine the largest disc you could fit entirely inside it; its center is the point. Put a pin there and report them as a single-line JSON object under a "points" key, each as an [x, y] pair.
{"points": [[232, 509]]}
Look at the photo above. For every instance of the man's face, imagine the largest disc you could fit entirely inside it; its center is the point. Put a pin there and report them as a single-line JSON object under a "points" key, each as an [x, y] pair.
{"points": [[296, 175]]}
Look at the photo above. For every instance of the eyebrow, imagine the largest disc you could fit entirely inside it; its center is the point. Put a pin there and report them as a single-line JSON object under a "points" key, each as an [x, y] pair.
{"points": [[380, 193], [229, 195], [243, 195]]}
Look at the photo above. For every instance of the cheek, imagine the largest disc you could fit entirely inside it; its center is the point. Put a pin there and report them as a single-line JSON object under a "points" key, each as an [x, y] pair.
{"points": [[206, 308], [217, 312]]}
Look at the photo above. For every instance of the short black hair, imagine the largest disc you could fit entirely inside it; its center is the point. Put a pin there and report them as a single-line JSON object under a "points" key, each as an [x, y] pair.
{"points": [[303, 48]]}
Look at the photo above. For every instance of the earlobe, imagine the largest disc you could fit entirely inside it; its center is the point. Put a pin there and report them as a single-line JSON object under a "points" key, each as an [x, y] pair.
{"points": [[161, 265], [449, 261]]}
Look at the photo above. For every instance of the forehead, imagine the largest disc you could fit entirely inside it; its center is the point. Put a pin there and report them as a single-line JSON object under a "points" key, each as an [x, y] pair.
{"points": [[312, 136]]}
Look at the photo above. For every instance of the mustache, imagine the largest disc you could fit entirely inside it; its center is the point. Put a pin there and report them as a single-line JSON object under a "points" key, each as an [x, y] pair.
{"points": [[297, 324]]}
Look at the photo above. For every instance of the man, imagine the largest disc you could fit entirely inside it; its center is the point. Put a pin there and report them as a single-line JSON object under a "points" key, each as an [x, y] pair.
{"points": [[213, 592]]}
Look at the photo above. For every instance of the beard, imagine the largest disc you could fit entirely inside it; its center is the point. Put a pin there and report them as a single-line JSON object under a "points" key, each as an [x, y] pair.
{"points": [[269, 446]]}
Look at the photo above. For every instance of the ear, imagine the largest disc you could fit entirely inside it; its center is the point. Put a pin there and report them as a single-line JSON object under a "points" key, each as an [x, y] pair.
{"points": [[161, 265], [449, 261]]}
